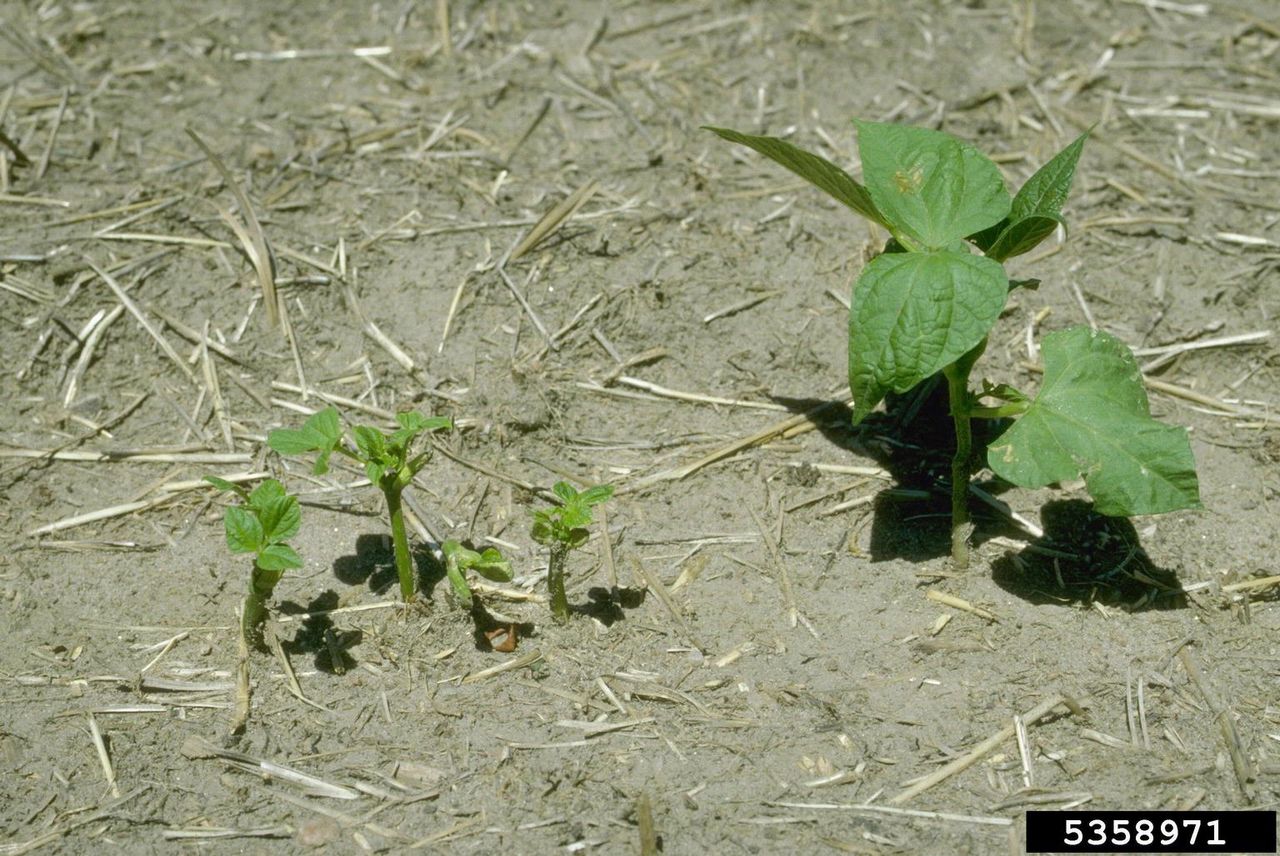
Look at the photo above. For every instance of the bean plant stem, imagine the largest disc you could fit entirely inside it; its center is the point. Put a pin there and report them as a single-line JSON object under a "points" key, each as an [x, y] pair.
{"points": [[555, 581], [400, 541], [261, 584], [958, 392]]}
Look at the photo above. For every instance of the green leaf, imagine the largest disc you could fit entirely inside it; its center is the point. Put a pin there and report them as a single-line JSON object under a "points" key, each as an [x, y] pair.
{"points": [[577, 537], [1091, 419], [1024, 235], [224, 485], [371, 443], [1046, 192], [815, 169], [914, 314], [565, 491], [574, 515], [266, 493], [543, 530], [278, 557], [320, 433], [931, 188], [281, 518], [244, 532], [492, 566], [374, 472], [596, 495]]}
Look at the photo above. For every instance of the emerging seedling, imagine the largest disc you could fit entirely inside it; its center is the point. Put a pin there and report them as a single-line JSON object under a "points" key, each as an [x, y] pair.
{"points": [[388, 461], [563, 528], [261, 525], [488, 564], [927, 303]]}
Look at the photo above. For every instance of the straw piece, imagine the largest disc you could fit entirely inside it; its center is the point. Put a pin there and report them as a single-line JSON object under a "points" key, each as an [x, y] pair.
{"points": [[252, 237], [142, 318], [980, 751], [554, 219], [1223, 716]]}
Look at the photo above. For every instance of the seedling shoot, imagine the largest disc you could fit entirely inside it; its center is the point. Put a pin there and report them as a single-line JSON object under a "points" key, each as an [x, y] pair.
{"points": [[263, 522], [389, 460], [563, 528], [928, 302]]}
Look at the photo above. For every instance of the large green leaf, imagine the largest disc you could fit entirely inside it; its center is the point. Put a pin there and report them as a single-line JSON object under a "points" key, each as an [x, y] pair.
{"points": [[913, 314], [815, 169], [930, 188], [1091, 419]]}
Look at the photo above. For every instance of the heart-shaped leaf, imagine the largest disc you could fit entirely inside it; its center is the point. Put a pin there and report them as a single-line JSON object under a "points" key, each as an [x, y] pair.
{"points": [[278, 557], [280, 517], [913, 314], [815, 169], [244, 532], [1092, 419], [930, 188]]}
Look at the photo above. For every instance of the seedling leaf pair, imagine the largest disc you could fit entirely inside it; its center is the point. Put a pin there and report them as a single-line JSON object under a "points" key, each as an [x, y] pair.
{"points": [[1092, 419], [266, 519]]}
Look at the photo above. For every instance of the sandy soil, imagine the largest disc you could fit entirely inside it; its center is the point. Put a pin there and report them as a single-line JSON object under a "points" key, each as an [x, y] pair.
{"points": [[804, 674]]}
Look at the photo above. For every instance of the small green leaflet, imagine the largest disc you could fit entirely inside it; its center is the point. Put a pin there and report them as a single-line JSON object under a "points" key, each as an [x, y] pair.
{"points": [[930, 188], [320, 433], [913, 314], [816, 170], [1037, 207], [1092, 419], [278, 557], [244, 532]]}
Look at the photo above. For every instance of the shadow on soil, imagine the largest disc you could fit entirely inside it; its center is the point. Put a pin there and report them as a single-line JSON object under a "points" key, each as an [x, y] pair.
{"points": [[317, 634], [914, 440], [1083, 555]]}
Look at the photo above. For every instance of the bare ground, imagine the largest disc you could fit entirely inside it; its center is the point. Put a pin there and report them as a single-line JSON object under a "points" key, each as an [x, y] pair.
{"points": [[806, 673]]}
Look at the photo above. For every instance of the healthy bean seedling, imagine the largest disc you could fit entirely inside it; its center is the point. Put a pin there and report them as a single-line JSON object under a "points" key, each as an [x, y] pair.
{"points": [[927, 303], [563, 528], [261, 525], [388, 461]]}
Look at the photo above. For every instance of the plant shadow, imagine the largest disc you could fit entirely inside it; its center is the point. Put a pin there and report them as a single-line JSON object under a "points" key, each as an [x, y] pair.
{"points": [[914, 440], [610, 605], [317, 635], [1086, 557], [374, 564]]}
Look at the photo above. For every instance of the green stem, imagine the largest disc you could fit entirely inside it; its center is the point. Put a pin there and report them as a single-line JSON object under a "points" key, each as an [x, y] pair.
{"points": [[958, 392], [555, 582], [262, 584], [404, 562]]}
